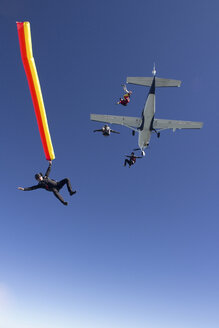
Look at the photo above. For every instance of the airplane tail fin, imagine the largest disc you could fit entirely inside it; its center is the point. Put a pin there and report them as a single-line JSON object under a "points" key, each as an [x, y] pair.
{"points": [[159, 82]]}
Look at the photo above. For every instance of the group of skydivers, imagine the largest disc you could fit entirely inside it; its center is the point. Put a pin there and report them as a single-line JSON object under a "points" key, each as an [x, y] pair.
{"points": [[44, 182], [106, 130]]}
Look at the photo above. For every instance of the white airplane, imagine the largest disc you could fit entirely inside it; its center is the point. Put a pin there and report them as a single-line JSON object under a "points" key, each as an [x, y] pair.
{"points": [[148, 123]]}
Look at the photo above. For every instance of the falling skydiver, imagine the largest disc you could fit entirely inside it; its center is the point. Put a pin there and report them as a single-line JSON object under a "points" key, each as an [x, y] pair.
{"points": [[48, 184], [132, 159], [126, 98]]}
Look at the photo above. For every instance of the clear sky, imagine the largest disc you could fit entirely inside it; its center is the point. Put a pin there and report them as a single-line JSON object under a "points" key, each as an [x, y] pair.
{"points": [[135, 247]]}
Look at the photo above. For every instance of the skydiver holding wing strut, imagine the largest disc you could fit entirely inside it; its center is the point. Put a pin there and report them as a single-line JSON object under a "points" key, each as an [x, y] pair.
{"points": [[44, 182]]}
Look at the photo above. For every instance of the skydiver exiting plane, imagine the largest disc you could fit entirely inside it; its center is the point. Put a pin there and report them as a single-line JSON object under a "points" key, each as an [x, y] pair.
{"points": [[132, 159], [106, 130], [126, 98], [45, 182]]}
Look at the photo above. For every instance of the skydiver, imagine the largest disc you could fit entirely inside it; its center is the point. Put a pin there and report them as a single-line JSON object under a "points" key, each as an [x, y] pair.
{"points": [[45, 182], [132, 159], [106, 130], [126, 98]]}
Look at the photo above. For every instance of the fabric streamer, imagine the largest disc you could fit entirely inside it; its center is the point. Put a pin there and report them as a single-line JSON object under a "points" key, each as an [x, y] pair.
{"points": [[24, 36]]}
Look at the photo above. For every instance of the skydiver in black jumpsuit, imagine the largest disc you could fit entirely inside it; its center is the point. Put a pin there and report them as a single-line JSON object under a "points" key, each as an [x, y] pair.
{"points": [[50, 185], [132, 159]]}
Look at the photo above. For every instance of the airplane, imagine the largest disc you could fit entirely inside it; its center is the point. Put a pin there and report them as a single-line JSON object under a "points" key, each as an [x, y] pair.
{"points": [[106, 130], [148, 123]]}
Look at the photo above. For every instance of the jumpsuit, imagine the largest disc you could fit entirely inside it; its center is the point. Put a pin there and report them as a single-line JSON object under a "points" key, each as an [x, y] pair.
{"points": [[52, 185], [130, 161]]}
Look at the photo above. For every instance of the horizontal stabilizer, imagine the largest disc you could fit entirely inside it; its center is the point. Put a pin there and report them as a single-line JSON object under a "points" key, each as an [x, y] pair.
{"points": [[114, 119], [159, 82]]}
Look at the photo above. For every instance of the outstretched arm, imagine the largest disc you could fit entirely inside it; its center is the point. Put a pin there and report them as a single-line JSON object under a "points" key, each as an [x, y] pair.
{"points": [[29, 188], [98, 130], [49, 169], [114, 131]]}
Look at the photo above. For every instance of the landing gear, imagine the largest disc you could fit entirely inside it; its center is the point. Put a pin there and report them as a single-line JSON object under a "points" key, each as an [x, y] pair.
{"points": [[157, 133]]}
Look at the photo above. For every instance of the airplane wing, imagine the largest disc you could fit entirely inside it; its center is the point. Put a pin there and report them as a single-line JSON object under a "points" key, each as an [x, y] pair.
{"points": [[160, 124], [130, 122]]}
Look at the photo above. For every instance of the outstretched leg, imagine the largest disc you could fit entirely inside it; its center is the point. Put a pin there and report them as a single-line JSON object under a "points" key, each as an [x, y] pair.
{"points": [[66, 181], [124, 88], [57, 195], [127, 161]]}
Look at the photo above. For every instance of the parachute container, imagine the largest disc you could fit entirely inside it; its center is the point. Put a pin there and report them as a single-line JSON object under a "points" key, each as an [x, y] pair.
{"points": [[24, 35]]}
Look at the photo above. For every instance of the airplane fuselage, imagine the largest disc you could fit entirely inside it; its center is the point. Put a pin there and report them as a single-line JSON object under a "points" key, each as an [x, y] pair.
{"points": [[147, 119]]}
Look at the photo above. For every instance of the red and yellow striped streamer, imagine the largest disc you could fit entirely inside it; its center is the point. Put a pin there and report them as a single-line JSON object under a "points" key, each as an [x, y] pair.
{"points": [[24, 35]]}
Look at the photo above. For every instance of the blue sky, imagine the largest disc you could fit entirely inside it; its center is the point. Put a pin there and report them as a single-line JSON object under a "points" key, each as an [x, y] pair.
{"points": [[135, 247]]}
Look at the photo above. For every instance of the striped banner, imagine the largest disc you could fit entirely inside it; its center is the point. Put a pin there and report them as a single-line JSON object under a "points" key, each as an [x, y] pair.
{"points": [[24, 36]]}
